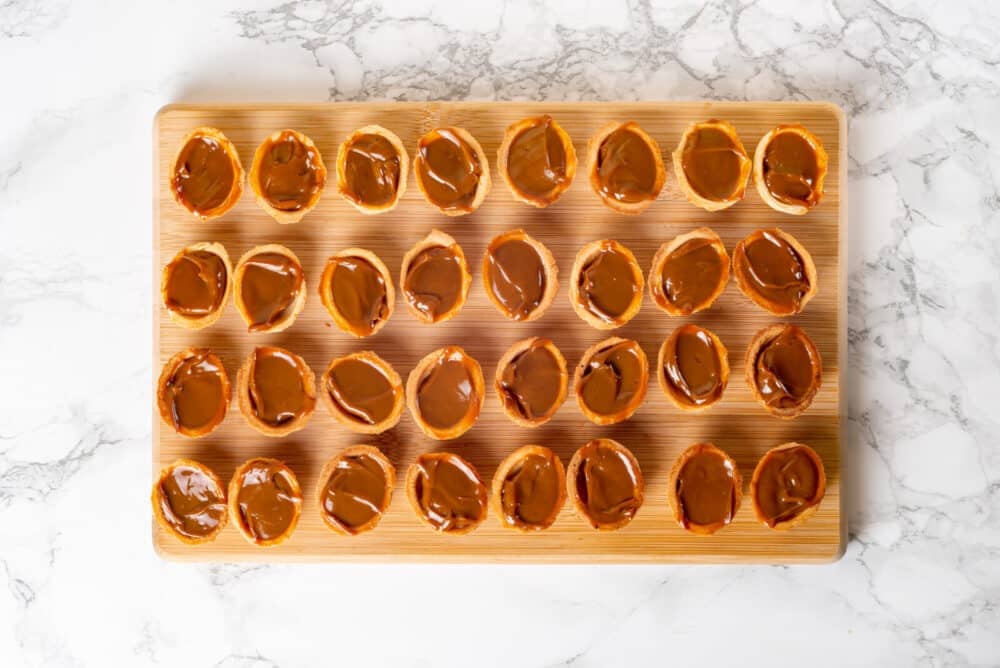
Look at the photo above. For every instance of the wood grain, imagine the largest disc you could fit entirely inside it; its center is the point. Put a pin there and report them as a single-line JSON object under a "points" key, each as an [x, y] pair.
{"points": [[656, 434]]}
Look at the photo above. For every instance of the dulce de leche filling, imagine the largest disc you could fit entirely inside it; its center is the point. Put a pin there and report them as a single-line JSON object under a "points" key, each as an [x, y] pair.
{"points": [[706, 489], [191, 501], [361, 389], [267, 500], [371, 170], [612, 380], [692, 365], [196, 283], [791, 169], [785, 370], [530, 383], [446, 394], [607, 283], [626, 166], [536, 162], [358, 290], [771, 267], [449, 169], [530, 494], [788, 484], [269, 284], [607, 484], [355, 493], [433, 282], [449, 493], [516, 276], [277, 385], [713, 163], [203, 175], [690, 275], [289, 173], [195, 392]]}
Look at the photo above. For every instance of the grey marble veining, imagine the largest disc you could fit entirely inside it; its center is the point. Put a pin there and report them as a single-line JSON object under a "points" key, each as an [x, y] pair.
{"points": [[920, 583]]}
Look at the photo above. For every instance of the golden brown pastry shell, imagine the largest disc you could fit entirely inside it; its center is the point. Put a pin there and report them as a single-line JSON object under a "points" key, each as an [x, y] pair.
{"points": [[508, 357], [676, 398], [238, 174], [246, 408], [482, 188], [411, 493], [506, 466], [203, 321], [161, 519], [503, 155], [548, 262], [404, 168], [822, 163], [582, 258], [664, 253], [413, 384], [746, 167], [234, 501], [285, 217], [807, 264], [161, 399], [297, 304], [390, 482], [436, 238], [326, 296], [802, 517], [675, 471], [344, 418], [573, 470], [594, 146], [637, 400], [763, 337]]}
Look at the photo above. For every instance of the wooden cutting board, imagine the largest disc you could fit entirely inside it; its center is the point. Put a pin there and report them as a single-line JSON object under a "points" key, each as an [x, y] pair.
{"points": [[657, 433]]}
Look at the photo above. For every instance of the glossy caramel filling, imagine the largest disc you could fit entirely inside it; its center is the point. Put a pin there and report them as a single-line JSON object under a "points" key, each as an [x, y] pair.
{"points": [[289, 173], [355, 493], [530, 383], [203, 176], [690, 275], [195, 392], [626, 166], [692, 366], [449, 169], [713, 163], [433, 282], [612, 380], [536, 161], [706, 490], [371, 172], [771, 267], [607, 283], [791, 169], [516, 277], [358, 291], [530, 494], [788, 484], [446, 394], [191, 501], [267, 500], [278, 392], [269, 284], [196, 283], [449, 493], [362, 390], [607, 484], [785, 369]]}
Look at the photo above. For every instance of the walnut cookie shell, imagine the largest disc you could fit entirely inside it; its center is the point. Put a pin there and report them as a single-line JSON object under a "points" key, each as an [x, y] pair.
{"points": [[199, 322], [404, 168], [345, 418], [583, 257], [281, 216], [326, 294], [156, 498], [655, 282], [298, 301], [482, 187], [683, 180], [436, 238], [508, 357], [503, 156], [245, 402], [549, 268], [416, 377], [659, 177], [822, 165], [235, 513], [324, 477], [509, 463], [239, 176]]}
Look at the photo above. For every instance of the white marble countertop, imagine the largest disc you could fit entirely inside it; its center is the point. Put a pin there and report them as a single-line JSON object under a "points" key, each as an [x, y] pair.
{"points": [[80, 82]]}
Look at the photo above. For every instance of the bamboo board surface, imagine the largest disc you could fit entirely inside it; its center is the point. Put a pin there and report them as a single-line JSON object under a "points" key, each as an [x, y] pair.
{"points": [[656, 434]]}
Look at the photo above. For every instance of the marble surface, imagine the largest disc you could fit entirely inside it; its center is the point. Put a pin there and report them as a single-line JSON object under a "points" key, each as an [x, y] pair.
{"points": [[920, 583]]}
